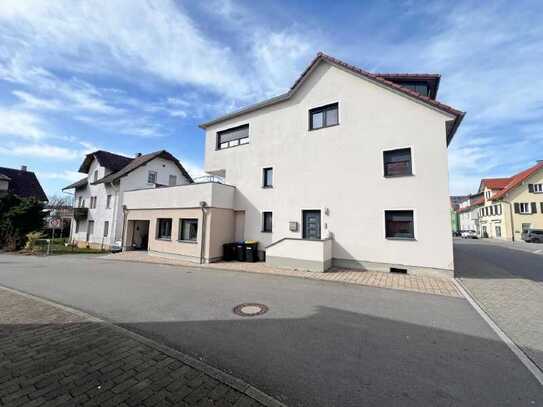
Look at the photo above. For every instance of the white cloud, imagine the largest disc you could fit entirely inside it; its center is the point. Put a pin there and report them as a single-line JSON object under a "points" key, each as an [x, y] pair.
{"points": [[33, 102], [20, 124], [61, 175], [41, 150]]}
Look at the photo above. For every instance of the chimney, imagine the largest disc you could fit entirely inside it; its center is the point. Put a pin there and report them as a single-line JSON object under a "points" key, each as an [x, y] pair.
{"points": [[138, 155], [23, 168]]}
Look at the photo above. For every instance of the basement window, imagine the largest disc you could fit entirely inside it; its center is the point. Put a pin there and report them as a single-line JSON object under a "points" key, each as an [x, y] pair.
{"points": [[398, 270]]}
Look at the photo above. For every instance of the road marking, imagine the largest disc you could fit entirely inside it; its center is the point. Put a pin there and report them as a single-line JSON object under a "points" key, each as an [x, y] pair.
{"points": [[526, 361]]}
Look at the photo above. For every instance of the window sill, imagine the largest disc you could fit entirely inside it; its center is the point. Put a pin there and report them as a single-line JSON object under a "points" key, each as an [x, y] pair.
{"points": [[324, 127], [165, 239], [188, 241], [399, 176], [409, 239]]}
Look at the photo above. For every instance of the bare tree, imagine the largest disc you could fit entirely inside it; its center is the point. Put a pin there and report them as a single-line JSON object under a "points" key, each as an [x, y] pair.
{"points": [[57, 207]]}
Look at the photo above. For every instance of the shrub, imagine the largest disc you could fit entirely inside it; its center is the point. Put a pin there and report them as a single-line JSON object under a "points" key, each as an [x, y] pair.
{"points": [[18, 217]]}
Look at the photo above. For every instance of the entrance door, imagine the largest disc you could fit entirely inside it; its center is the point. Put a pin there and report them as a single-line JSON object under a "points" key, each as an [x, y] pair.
{"points": [[311, 224], [90, 229]]}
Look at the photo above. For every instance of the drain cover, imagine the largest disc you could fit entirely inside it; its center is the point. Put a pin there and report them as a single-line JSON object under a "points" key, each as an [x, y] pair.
{"points": [[250, 309]]}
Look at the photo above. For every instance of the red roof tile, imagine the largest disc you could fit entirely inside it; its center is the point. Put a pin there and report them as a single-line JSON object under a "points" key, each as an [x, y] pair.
{"points": [[494, 183]]}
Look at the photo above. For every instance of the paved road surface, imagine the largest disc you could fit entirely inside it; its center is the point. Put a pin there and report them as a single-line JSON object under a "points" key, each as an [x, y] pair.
{"points": [[508, 284], [321, 344]]}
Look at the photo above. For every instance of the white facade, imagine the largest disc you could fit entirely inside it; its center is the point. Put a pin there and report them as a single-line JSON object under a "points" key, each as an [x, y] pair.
{"points": [[339, 171], [82, 231], [469, 217]]}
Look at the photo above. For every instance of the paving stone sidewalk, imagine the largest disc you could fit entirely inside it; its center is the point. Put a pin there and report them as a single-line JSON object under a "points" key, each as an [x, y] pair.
{"points": [[428, 285], [50, 356]]}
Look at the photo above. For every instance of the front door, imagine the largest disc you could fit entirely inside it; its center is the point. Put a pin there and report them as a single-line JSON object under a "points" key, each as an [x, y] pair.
{"points": [[90, 229], [311, 225]]}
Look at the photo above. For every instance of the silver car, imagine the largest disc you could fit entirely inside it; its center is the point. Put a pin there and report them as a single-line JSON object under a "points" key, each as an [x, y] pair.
{"points": [[533, 235]]}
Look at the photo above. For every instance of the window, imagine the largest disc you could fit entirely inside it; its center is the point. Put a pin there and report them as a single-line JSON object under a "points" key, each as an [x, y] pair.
{"points": [[77, 226], [164, 229], [92, 202], [267, 177], [188, 229], [95, 176], [324, 116], [499, 209], [535, 188], [108, 202], [267, 221], [522, 207], [80, 202], [488, 194], [151, 177], [90, 228], [397, 162], [233, 137], [418, 87], [399, 225], [498, 231], [106, 228], [172, 181]]}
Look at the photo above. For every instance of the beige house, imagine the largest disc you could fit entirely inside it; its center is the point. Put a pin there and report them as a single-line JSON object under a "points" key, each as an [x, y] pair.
{"points": [[512, 205], [348, 168]]}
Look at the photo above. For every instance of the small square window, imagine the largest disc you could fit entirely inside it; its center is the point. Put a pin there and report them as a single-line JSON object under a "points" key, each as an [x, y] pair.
{"points": [[151, 177], [399, 225], [188, 229], [267, 221], [164, 229], [267, 177], [397, 162]]}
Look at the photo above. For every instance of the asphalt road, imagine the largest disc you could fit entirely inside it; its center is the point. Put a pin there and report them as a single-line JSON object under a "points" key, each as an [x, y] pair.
{"points": [[507, 280], [320, 344]]}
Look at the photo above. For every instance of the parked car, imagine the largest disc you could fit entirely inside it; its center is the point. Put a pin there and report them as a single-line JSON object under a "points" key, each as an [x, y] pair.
{"points": [[117, 247], [469, 234], [533, 235]]}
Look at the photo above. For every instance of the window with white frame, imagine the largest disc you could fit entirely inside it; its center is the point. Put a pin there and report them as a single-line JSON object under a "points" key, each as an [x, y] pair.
{"points": [[233, 137], [267, 225], [151, 177], [397, 162], [536, 188], [164, 229], [523, 207], [188, 229], [267, 177], [399, 225]]}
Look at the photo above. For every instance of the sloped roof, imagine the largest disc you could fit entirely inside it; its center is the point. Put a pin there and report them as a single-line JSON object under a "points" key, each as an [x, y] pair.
{"points": [[111, 161], [23, 183], [517, 179], [4, 177], [141, 160], [451, 127], [77, 184], [493, 183]]}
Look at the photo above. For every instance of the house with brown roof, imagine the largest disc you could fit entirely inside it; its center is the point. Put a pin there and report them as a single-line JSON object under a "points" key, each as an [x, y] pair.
{"points": [[512, 205], [22, 183], [98, 197], [347, 168]]}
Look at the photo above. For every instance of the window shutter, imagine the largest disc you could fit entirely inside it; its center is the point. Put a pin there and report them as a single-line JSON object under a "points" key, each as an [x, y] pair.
{"points": [[534, 207], [541, 207], [517, 207], [531, 188]]}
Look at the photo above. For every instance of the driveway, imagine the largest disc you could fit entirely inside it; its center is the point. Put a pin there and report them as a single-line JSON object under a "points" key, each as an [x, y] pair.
{"points": [[508, 283], [320, 344]]}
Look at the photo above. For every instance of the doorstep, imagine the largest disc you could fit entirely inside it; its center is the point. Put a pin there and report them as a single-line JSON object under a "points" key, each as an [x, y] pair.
{"points": [[421, 284]]}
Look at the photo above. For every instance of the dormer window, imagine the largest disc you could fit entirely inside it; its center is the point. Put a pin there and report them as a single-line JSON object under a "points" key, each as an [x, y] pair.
{"points": [[324, 116], [419, 87]]}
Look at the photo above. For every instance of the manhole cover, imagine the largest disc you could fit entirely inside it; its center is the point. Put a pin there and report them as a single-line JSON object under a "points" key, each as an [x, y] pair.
{"points": [[250, 309]]}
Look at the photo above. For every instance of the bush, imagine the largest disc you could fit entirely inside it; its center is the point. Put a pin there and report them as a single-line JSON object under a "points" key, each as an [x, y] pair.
{"points": [[19, 217], [31, 239]]}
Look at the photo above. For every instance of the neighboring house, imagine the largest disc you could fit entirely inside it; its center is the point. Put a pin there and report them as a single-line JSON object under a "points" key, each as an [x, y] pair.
{"points": [[455, 218], [58, 221], [468, 213], [348, 168], [98, 211], [513, 204], [22, 183]]}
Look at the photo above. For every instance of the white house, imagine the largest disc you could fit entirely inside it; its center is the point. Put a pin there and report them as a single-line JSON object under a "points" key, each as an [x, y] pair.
{"points": [[98, 211], [468, 213], [347, 168]]}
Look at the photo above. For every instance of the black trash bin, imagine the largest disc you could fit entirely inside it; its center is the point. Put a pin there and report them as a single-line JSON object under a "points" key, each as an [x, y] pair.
{"points": [[229, 251], [251, 254], [240, 251]]}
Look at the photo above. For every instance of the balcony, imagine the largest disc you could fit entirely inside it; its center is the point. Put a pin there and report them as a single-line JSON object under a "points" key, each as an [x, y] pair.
{"points": [[81, 213]]}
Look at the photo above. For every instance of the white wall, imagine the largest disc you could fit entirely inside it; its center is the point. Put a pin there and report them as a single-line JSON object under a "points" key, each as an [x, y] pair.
{"points": [[341, 168]]}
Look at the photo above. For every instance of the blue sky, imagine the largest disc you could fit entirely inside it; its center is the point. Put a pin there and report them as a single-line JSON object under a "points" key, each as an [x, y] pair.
{"points": [[139, 76]]}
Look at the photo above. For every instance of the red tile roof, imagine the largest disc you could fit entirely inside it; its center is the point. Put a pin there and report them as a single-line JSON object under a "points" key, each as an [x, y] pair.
{"points": [[494, 183], [517, 179]]}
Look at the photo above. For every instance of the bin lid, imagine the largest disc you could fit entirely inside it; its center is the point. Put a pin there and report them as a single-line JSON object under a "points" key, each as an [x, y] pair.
{"points": [[251, 241]]}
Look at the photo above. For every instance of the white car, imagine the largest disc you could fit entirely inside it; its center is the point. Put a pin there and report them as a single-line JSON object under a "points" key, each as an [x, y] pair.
{"points": [[469, 234], [117, 247]]}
